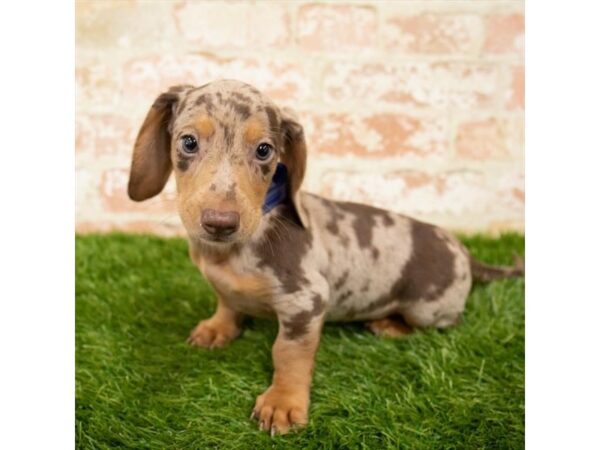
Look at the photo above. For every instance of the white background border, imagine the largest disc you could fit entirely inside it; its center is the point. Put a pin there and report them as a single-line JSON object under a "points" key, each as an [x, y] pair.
{"points": [[562, 151], [563, 225], [37, 304]]}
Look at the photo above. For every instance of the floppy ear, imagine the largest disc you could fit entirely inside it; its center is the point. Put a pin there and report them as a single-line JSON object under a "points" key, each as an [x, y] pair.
{"points": [[294, 157], [151, 162]]}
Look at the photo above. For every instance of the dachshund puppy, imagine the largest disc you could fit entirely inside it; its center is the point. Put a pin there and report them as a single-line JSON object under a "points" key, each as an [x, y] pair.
{"points": [[270, 250]]}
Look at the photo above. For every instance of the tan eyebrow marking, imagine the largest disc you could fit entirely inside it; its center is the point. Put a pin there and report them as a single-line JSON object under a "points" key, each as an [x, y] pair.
{"points": [[205, 126], [254, 131]]}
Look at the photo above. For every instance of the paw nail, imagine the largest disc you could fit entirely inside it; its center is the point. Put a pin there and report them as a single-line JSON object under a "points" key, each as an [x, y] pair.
{"points": [[273, 431], [253, 415], [261, 426]]}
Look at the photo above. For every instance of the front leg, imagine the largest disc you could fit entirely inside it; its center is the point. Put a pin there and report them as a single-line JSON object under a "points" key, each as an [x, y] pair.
{"points": [[220, 329], [285, 403]]}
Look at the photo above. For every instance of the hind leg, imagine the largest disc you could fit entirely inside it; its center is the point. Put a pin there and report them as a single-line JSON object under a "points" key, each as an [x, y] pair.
{"points": [[392, 326], [444, 312]]}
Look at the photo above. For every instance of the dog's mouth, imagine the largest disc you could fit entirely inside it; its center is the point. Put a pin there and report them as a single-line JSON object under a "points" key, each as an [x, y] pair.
{"points": [[218, 239]]}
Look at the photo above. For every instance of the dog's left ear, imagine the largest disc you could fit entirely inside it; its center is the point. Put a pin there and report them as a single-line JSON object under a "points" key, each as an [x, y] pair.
{"points": [[294, 157]]}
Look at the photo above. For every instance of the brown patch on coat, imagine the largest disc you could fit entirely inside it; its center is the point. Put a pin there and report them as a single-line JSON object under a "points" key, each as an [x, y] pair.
{"points": [[265, 169], [375, 253], [241, 97], [344, 296], [273, 120], [183, 163], [335, 216], [430, 269], [254, 131], [380, 302], [344, 240], [387, 219], [205, 100], [351, 313], [341, 280], [283, 246], [363, 223], [239, 103], [297, 325], [241, 110], [181, 106], [364, 220], [230, 194], [205, 126]]}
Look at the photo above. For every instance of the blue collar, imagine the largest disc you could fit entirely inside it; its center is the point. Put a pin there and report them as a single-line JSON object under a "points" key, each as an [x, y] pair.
{"points": [[277, 192]]}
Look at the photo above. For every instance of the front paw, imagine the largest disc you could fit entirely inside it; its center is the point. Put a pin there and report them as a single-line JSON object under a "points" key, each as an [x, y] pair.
{"points": [[213, 334], [279, 409]]}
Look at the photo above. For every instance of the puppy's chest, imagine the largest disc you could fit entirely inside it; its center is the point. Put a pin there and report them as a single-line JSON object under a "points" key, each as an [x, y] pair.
{"points": [[247, 292]]}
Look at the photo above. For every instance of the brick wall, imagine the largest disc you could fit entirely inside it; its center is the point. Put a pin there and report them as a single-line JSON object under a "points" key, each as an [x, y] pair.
{"points": [[415, 106]]}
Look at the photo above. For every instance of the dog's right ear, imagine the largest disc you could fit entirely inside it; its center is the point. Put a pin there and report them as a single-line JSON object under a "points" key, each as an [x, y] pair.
{"points": [[151, 162]]}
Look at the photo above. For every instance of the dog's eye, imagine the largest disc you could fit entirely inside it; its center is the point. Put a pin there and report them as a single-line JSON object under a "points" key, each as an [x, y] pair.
{"points": [[263, 152], [189, 144]]}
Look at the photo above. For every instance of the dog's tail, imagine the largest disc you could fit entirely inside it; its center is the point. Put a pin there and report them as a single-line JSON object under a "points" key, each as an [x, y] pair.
{"points": [[485, 272]]}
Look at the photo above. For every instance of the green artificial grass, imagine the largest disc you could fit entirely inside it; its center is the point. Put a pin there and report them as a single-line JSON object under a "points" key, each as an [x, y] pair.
{"points": [[139, 385]]}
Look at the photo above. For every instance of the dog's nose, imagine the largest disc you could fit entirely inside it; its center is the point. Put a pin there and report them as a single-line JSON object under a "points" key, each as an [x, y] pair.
{"points": [[220, 223]]}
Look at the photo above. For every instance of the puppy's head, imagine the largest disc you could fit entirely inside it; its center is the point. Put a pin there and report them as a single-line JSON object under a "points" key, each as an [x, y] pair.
{"points": [[223, 140]]}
